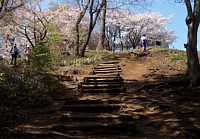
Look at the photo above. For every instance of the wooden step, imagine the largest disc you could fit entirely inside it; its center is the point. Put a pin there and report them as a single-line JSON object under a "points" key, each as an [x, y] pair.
{"points": [[83, 102], [100, 83], [98, 86], [108, 74], [103, 90], [103, 64], [106, 66], [92, 107], [102, 95], [111, 62], [95, 117], [103, 79], [122, 126], [106, 71], [58, 135], [109, 69]]}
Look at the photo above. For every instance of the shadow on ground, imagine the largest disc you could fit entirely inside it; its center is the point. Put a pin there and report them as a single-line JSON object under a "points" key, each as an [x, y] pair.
{"points": [[164, 108]]}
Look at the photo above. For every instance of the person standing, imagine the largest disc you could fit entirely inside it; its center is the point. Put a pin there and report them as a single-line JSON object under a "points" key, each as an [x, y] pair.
{"points": [[14, 53], [143, 41], [28, 52]]}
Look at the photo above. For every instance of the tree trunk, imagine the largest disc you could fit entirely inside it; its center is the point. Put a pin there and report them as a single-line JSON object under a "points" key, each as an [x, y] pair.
{"points": [[94, 14], [102, 27], [87, 41], [77, 39], [192, 54], [120, 37], [114, 44], [81, 15]]}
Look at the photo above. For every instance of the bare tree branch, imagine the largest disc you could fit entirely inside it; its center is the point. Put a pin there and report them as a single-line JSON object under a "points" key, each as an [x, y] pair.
{"points": [[9, 5]]}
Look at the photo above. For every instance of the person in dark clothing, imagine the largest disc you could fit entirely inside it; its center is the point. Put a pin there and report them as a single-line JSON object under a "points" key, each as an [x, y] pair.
{"points": [[14, 52]]}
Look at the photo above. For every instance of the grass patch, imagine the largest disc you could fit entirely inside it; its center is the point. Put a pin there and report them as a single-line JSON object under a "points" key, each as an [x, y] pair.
{"points": [[91, 57], [178, 57]]}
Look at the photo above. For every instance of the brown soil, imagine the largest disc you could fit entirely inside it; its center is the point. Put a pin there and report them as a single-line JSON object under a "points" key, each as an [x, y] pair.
{"points": [[157, 96]]}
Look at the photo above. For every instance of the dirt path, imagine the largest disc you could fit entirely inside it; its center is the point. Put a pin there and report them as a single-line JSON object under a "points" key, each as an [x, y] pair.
{"points": [[166, 107], [151, 106]]}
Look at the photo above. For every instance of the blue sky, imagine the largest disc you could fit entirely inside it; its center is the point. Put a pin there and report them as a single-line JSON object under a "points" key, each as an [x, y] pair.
{"points": [[165, 8]]}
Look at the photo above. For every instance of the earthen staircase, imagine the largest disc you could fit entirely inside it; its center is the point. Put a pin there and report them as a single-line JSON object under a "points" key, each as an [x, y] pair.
{"points": [[97, 113]]}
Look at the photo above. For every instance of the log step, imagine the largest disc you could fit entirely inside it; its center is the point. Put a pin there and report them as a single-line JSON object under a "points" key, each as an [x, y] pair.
{"points": [[108, 74], [94, 117], [103, 64], [106, 71], [98, 86], [83, 102], [92, 107], [123, 126], [100, 83], [102, 95], [59, 135], [106, 67], [103, 79], [110, 69], [103, 90], [111, 62]]}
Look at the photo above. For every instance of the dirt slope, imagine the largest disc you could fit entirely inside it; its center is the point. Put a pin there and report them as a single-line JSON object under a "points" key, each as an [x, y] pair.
{"points": [[155, 83], [157, 97]]}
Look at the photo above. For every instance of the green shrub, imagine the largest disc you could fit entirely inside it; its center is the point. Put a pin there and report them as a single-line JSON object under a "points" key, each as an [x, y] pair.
{"points": [[25, 89], [41, 58]]}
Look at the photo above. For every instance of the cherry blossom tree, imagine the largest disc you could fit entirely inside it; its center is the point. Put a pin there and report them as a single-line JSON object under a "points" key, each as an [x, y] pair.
{"points": [[92, 8], [153, 25], [7, 6], [117, 4], [31, 23], [64, 18], [7, 9], [23, 27], [128, 27]]}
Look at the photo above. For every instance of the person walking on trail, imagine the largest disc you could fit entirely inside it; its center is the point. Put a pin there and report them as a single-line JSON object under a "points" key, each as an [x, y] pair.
{"points": [[14, 53], [27, 52], [143, 40]]}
